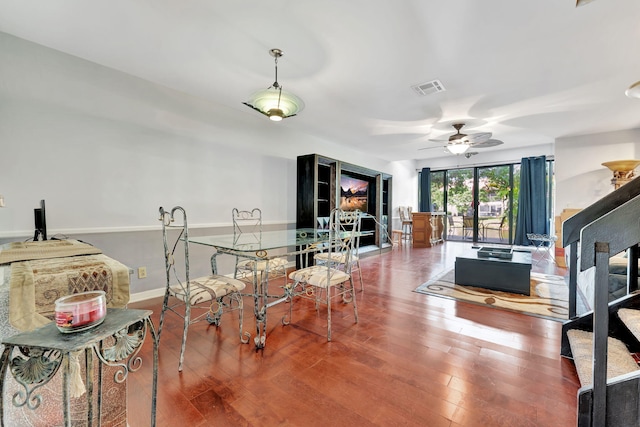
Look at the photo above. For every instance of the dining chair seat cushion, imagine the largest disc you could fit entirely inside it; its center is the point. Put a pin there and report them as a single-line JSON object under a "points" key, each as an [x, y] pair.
{"points": [[335, 256], [317, 276], [208, 287], [252, 265]]}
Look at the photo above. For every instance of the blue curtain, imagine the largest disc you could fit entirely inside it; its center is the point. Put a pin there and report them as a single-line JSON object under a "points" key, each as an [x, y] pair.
{"points": [[532, 201], [425, 190]]}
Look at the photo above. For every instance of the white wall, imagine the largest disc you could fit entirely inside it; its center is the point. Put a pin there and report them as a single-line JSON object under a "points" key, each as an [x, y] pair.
{"points": [[106, 149], [405, 189], [580, 177]]}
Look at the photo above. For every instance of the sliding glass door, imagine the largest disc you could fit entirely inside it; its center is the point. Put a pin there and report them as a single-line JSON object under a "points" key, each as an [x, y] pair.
{"points": [[480, 203], [497, 202]]}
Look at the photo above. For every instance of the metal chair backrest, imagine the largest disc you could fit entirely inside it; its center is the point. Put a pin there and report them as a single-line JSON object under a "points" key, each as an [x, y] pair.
{"points": [[175, 219], [247, 225], [353, 220], [344, 233]]}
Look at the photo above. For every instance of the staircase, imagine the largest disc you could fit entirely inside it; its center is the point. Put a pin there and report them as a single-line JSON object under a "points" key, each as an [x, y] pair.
{"points": [[601, 342]]}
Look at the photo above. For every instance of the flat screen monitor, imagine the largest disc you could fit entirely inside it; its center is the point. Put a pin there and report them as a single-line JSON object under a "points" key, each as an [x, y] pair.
{"points": [[40, 222], [354, 193]]}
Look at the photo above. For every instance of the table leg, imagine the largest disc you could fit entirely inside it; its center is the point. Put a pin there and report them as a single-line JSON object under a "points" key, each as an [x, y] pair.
{"points": [[88, 358], [154, 388], [261, 318], [66, 401], [4, 362]]}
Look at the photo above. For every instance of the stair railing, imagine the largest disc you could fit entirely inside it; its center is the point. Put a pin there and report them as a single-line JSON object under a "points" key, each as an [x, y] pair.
{"points": [[608, 235], [572, 227]]}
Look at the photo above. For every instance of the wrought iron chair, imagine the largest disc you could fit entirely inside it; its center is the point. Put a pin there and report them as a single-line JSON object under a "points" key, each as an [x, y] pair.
{"points": [[247, 228], [340, 258], [467, 226], [497, 226], [452, 226], [324, 282], [209, 297]]}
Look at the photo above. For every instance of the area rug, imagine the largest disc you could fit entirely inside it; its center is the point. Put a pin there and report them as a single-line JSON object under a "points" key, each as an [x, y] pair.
{"points": [[549, 295]]}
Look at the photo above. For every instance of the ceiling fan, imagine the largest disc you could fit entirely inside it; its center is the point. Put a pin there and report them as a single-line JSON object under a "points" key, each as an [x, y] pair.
{"points": [[459, 142]]}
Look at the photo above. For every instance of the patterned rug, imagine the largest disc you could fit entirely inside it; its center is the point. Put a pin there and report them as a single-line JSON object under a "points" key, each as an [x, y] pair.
{"points": [[549, 295]]}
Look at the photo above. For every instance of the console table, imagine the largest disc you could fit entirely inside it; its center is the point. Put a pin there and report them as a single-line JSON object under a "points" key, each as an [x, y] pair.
{"points": [[41, 352], [508, 275]]}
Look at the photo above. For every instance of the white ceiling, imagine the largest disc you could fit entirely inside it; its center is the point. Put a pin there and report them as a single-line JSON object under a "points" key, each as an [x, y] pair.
{"points": [[527, 71]]}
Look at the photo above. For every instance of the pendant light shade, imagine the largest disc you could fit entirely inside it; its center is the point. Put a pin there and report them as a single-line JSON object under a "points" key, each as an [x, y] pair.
{"points": [[274, 102], [633, 91]]}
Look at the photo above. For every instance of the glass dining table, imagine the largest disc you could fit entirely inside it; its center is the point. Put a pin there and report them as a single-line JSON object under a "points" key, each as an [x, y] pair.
{"points": [[261, 247]]}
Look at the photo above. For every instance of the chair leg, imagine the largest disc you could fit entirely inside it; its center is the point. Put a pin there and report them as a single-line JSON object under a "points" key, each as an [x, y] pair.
{"points": [[353, 270], [328, 313], [244, 336], [165, 303], [187, 319], [355, 306]]}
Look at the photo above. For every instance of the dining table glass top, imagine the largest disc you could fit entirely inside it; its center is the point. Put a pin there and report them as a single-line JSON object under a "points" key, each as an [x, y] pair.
{"points": [[263, 241]]}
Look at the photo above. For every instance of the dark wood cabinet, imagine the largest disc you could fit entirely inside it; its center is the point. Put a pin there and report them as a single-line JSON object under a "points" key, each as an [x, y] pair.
{"points": [[319, 183]]}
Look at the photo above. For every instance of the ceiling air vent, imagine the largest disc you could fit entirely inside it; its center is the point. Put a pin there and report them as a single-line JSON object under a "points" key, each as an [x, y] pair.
{"points": [[428, 88]]}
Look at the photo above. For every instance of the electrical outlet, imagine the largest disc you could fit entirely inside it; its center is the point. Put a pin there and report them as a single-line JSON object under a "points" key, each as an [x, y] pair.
{"points": [[142, 272]]}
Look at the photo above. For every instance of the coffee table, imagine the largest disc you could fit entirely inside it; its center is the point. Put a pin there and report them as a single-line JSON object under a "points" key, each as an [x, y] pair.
{"points": [[508, 275]]}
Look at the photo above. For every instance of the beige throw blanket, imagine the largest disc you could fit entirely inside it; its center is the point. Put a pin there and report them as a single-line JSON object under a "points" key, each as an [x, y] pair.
{"points": [[25, 251], [36, 285]]}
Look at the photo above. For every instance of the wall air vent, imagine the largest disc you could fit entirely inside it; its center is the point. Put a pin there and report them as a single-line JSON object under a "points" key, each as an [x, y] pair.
{"points": [[428, 88]]}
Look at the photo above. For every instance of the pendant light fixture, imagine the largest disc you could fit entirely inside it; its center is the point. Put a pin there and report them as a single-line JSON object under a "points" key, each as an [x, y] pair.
{"points": [[274, 102]]}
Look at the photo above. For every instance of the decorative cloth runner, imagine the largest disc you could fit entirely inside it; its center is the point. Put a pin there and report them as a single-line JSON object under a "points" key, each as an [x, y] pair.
{"points": [[36, 285], [43, 271], [25, 251]]}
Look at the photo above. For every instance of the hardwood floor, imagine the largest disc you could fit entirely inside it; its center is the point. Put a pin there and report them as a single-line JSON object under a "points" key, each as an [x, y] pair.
{"points": [[412, 359]]}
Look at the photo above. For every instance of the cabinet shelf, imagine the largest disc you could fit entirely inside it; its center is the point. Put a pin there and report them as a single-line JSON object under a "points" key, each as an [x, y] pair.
{"points": [[318, 192]]}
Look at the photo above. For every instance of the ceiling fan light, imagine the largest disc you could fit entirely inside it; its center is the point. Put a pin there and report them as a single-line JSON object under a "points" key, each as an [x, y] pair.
{"points": [[634, 90], [457, 148]]}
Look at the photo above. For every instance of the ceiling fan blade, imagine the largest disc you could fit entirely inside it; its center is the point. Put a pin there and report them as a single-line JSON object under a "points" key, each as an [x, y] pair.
{"points": [[478, 138], [487, 143], [431, 148]]}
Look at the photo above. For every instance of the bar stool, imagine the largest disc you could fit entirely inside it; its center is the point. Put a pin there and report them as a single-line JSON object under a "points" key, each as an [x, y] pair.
{"points": [[407, 222]]}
